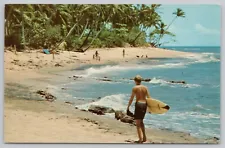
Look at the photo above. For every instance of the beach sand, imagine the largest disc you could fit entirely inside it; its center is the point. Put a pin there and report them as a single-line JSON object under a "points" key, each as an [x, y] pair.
{"points": [[34, 121]]}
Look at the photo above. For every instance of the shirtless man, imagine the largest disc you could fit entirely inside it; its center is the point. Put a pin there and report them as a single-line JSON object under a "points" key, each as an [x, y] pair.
{"points": [[141, 93]]}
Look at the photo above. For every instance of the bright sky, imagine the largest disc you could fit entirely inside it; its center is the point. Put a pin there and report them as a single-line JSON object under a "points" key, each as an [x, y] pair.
{"points": [[200, 27]]}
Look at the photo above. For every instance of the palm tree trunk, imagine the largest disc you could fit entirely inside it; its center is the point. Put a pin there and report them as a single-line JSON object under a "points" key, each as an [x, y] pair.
{"points": [[96, 35], [7, 21], [85, 41], [93, 39], [84, 30], [23, 35], [71, 30], [171, 23], [133, 42]]}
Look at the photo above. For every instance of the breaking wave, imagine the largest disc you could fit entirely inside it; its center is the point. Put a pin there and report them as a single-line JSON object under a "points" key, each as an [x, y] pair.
{"points": [[117, 102]]}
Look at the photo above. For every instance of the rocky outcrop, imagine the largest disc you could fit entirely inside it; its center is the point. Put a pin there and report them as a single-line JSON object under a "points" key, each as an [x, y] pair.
{"points": [[145, 80], [58, 65], [179, 82], [48, 96], [105, 79], [100, 110], [120, 115], [127, 119]]}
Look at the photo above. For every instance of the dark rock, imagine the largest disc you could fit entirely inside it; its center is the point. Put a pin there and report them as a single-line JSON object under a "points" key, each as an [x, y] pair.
{"points": [[83, 110], [48, 96], [99, 97], [216, 138], [76, 107], [119, 115], [146, 80], [58, 65], [100, 110], [67, 102], [41, 92], [63, 88], [127, 119], [179, 82], [76, 76], [30, 61], [104, 79]]}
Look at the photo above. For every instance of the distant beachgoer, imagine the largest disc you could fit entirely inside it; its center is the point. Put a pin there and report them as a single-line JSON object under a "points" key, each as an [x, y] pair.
{"points": [[123, 52], [141, 93], [96, 54], [142, 56], [137, 56], [146, 56]]}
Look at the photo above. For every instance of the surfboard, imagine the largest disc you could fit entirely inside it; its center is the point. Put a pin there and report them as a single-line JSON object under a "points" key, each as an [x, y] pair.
{"points": [[156, 106]]}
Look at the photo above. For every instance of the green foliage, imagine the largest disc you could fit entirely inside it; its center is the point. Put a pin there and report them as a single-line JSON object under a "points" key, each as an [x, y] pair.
{"points": [[109, 25]]}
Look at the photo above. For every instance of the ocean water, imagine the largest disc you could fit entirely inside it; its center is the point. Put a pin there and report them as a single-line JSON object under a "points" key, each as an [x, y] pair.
{"points": [[195, 106]]}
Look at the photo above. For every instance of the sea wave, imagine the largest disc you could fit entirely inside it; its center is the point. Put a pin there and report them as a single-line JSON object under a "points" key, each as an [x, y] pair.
{"points": [[203, 58], [113, 69], [117, 102], [193, 114], [162, 82]]}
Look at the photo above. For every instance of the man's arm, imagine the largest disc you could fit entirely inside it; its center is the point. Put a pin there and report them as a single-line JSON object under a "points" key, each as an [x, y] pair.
{"points": [[131, 98]]}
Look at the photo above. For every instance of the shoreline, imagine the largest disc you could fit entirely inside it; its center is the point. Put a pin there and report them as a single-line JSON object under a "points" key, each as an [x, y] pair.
{"points": [[49, 74]]}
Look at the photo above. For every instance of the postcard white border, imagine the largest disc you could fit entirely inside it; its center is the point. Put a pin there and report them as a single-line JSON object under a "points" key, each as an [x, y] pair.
{"points": [[219, 2]]}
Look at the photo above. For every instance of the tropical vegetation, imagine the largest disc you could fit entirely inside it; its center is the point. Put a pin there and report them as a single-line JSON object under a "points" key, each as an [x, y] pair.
{"points": [[85, 26]]}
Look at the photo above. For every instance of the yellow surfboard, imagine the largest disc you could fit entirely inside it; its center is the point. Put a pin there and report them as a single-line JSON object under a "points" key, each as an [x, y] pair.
{"points": [[156, 106]]}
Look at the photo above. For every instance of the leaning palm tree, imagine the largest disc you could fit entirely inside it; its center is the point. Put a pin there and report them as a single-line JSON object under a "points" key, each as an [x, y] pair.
{"points": [[178, 13], [161, 31]]}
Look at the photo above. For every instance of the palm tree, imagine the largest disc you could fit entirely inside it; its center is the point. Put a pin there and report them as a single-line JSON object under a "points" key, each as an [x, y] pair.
{"points": [[178, 13], [148, 17], [34, 22], [161, 31]]}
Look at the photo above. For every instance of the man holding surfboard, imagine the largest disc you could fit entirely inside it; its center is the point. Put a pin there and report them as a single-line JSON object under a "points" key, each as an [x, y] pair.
{"points": [[141, 93]]}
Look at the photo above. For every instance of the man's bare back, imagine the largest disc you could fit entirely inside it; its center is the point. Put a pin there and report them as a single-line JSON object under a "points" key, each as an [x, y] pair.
{"points": [[141, 93]]}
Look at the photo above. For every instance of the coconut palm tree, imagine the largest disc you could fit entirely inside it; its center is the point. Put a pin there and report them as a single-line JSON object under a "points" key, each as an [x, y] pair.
{"points": [[178, 13]]}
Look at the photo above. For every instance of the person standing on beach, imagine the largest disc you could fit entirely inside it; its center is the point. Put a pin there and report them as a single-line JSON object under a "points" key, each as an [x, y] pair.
{"points": [[96, 54], [141, 93], [123, 52]]}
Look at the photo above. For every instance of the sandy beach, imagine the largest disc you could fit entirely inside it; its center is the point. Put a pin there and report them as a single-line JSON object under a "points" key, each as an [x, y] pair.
{"points": [[33, 121]]}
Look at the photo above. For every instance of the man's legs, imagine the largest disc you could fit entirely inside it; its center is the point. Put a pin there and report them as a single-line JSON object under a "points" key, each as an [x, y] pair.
{"points": [[143, 130], [139, 130]]}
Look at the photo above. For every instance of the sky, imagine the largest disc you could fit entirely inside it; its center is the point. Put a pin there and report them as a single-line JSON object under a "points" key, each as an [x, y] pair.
{"points": [[200, 27]]}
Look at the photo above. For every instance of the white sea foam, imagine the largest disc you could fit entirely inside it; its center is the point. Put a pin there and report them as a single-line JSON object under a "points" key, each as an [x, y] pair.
{"points": [[109, 69], [117, 102], [162, 82], [202, 58], [117, 68]]}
